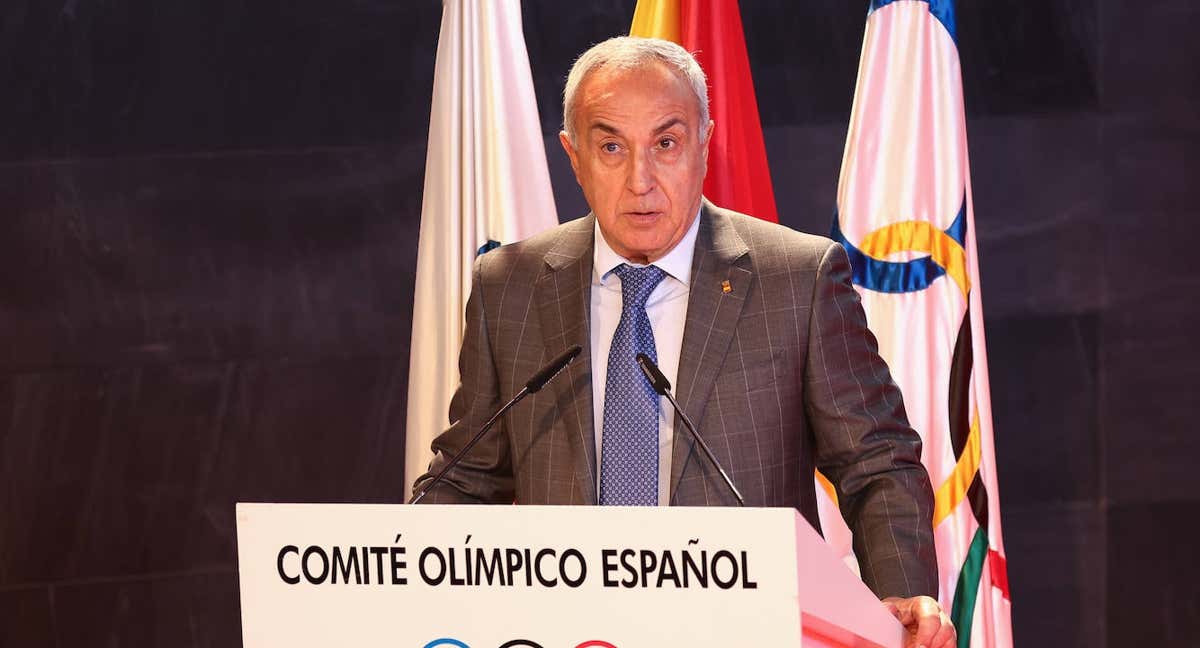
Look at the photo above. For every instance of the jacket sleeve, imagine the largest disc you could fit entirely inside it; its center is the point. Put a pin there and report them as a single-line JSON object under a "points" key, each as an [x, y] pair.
{"points": [[484, 475], [864, 442]]}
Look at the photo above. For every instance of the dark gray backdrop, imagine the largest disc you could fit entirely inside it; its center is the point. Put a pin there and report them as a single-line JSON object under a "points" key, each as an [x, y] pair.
{"points": [[208, 226]]}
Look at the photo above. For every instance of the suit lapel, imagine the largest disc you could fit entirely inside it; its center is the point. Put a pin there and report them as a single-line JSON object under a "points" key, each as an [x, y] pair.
{"points": [[562, 294], [712, 317]]}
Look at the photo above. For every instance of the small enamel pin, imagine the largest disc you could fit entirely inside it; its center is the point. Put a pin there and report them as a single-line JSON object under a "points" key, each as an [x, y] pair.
{"points": [[725, 287]]}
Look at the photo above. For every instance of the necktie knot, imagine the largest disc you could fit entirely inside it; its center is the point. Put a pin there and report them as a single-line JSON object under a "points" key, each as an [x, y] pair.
{"points": [[637, 283]]}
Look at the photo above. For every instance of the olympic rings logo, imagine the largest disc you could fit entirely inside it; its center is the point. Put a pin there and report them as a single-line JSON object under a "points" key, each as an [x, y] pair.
{"points": [[515, 643]]}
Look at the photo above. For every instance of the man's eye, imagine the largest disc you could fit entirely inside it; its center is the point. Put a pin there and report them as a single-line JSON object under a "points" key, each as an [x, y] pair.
{"points": [[666, 143], [610, 147]]}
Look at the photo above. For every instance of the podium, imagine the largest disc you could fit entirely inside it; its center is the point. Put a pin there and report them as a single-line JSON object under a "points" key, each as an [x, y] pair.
{"points": [[546, 577]]}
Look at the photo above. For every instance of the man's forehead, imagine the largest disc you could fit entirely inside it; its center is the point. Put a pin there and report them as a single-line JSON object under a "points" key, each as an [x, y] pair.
{"points": [[608, 95], [609, 77]]}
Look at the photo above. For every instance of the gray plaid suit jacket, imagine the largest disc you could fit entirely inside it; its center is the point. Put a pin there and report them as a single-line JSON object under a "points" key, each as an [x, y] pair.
{"points": [[780, 375]]}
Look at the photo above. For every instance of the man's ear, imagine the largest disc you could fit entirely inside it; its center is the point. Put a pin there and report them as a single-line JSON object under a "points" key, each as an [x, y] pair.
{"points": [[708, 132], [565, 140]]}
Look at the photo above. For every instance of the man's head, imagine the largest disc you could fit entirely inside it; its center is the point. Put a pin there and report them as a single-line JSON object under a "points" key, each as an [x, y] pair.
{"points": [[636, 127]]}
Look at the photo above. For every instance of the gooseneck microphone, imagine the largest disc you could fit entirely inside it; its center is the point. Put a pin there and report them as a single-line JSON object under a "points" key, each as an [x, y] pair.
{"points": [[547, 373], [663, 386], [532, 386]]}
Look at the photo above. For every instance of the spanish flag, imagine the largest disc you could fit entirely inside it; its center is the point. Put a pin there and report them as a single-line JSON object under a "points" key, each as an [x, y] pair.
{"points": [[738, 177]]}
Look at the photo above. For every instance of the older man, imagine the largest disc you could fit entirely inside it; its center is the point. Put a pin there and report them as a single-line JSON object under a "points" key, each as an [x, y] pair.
{"points": [[757, 325]]}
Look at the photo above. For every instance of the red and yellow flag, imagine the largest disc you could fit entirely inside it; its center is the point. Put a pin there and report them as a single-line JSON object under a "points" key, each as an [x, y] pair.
{"points": [[738, 177]]}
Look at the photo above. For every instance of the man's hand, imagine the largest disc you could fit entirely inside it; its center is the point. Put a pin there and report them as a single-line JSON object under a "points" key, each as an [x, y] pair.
{"points": [[926, 623]]}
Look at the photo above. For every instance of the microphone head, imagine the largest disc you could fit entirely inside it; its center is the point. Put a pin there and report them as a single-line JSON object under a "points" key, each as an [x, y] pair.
{"points": [[551, 369], [658, 381]]}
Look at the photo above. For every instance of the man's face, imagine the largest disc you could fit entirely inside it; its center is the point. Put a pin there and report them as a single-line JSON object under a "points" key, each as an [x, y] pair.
{"points": [[640, 157]]}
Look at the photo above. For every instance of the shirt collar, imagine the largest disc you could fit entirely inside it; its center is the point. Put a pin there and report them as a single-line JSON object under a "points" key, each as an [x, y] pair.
{"points": [[677, 262]]}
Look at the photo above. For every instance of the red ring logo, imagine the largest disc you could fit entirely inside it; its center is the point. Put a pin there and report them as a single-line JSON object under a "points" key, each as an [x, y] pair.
{"points": [[515, 643]]}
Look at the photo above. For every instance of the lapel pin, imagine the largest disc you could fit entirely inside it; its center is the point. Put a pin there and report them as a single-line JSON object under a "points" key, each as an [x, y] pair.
{"points": [[725, 287]]}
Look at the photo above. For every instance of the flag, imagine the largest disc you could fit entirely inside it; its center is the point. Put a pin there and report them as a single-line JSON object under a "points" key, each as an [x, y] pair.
{"points": [[486, 184], [905, 216], [738, 177]]}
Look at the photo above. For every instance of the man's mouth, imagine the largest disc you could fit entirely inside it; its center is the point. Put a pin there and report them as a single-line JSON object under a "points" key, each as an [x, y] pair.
{"points": [[649, 213]]}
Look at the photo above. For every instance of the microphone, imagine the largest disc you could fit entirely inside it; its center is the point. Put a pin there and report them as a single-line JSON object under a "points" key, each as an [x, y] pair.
{"points": [[532, 386], [539, 379], [662, 386]]}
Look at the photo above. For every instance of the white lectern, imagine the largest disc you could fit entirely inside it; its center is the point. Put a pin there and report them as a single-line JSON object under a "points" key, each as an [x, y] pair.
{"points": [[546, 577]]}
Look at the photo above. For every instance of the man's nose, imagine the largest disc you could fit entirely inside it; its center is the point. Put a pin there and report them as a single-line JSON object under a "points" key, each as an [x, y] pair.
{"points": [[641, 172]]}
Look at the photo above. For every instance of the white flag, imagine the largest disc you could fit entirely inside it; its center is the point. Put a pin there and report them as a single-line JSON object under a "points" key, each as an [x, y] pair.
{"points": [[486, 183], [906, 218]]}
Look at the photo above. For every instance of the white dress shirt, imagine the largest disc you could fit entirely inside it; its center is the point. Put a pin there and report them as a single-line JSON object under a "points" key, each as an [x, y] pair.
{"points": [[667, 310]]}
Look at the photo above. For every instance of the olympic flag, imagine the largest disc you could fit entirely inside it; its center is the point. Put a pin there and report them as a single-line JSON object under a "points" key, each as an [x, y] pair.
{"points": [[904, 214], [486, 184]]}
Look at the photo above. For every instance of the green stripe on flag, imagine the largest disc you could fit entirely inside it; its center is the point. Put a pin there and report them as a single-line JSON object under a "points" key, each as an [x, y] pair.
{"points": [[962, 613]]}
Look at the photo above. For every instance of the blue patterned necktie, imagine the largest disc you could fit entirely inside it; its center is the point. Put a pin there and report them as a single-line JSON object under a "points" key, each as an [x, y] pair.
{"points": [[629, 445]]}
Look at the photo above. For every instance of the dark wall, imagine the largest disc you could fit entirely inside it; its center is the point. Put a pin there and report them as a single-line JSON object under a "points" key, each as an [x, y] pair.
{"points": [[208, 216]]}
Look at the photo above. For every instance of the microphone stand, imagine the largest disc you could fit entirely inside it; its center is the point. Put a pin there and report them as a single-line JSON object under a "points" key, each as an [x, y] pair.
{"points": [[662, 386], [539, 380]]}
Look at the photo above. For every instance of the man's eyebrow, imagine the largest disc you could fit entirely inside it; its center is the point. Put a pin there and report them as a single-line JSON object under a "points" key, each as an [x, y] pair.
{"points": [[673, 121], [613, 130], [607, 128]]}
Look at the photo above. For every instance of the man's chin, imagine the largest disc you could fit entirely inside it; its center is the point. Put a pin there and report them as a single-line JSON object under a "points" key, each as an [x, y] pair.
{"points": [[649, 251]]}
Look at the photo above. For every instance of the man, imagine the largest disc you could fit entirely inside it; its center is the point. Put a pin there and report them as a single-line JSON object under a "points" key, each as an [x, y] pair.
{"points": [[756, 325]]}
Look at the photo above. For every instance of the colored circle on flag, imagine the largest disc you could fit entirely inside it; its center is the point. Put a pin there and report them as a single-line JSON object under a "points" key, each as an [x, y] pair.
{"points": [[945, 252]]}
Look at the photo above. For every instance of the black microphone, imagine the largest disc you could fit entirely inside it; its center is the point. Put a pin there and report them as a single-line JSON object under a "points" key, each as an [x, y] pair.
{"points": [[663, 387], [539, 380], [533, 385]]}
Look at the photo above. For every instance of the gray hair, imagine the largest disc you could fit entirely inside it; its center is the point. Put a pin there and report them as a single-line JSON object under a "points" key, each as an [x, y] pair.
{"points": [[631, 53]]}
